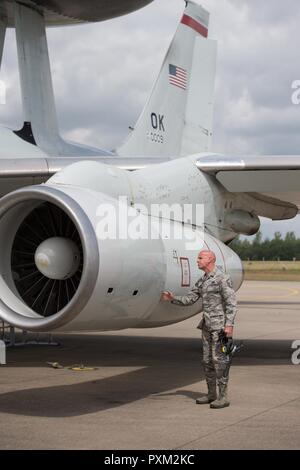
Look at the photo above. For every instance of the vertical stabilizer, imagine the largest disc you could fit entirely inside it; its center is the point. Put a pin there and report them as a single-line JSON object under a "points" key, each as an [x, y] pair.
{"points": [[197, 130], [177, 120]]}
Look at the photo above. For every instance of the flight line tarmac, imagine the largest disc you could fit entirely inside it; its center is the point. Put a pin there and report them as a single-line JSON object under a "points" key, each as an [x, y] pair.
{"points": [[142, 394]]}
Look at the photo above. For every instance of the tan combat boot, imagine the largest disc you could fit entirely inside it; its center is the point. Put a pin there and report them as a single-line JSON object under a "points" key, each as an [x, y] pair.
{"points": [[210, 397], [222, 401]]}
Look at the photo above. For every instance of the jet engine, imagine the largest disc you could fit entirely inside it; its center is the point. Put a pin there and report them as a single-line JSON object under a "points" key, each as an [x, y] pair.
{"points": [[60, 270]]}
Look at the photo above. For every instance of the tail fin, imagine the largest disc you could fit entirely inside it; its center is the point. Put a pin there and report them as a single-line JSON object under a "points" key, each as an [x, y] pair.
{"points": [[177, 120]]}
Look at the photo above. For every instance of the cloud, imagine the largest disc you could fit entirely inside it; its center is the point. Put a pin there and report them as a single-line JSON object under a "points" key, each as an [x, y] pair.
{"points": [[103, 74]]}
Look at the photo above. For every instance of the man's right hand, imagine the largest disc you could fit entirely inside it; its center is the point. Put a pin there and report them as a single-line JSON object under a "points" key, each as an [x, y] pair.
{"points": [[167, 296]]}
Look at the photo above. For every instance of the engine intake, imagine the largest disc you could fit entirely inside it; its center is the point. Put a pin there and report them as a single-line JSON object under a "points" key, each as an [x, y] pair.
{"points": [[34, 221]]}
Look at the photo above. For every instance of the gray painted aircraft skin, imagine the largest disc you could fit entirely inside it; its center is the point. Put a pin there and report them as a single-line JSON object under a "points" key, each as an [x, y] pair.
{"points": [[57, 271]]}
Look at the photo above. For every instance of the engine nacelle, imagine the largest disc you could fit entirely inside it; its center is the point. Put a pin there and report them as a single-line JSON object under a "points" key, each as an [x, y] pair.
{"points": [[58, 271]]}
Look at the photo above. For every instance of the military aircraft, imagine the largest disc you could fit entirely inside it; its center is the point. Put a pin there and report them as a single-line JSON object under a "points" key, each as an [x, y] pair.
{"points": [[57, 270]]}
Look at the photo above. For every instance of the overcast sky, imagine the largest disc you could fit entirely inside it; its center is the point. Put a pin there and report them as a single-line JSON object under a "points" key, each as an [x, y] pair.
{"points": [[103, 74]]}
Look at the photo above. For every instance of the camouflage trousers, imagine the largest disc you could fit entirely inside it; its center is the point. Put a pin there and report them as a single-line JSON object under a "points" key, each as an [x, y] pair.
{"points": [[216, 363]]}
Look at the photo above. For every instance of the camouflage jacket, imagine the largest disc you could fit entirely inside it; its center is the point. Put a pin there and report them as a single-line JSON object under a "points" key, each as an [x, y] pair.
{"points": [[218, 300]]}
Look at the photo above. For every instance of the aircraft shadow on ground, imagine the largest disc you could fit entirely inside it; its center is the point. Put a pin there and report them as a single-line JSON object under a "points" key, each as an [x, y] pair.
{"points": [[163, 367]]}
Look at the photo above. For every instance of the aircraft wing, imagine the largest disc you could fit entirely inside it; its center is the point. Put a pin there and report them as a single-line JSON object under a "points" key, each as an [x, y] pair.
{"points": [[276, 176]]}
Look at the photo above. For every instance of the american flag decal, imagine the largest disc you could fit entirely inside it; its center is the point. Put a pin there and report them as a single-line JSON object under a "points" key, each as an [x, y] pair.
{"points": [[178, 76]]}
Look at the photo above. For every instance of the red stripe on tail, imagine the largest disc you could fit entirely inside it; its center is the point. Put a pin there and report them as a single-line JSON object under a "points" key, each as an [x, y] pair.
{"points": [[198, 27]]}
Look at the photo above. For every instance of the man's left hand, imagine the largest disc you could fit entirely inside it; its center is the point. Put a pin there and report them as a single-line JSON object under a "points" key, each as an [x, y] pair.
{"points": [[228, 330]]}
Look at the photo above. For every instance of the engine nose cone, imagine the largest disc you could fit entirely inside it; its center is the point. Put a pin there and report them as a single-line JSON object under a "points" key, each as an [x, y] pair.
{"points": [[57, 258]]}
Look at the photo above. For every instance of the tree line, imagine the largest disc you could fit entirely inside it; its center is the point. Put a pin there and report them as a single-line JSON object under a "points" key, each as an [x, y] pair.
{"points": [[282, 249]]}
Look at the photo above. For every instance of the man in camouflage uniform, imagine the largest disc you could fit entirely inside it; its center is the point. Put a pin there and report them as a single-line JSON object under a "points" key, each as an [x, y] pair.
{"points": [[219, 310]]}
